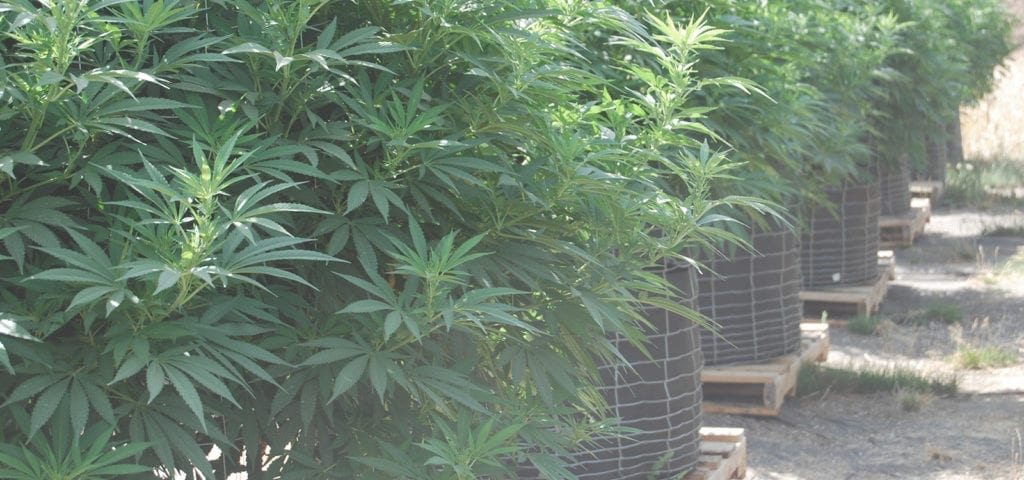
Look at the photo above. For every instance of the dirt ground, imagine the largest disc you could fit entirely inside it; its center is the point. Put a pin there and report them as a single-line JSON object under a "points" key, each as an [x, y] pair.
{"points": [[975, 434]]}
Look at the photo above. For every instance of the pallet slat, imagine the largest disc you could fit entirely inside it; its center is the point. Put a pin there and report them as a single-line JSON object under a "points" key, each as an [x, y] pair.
{"points": [[723, 455], [754, 390], [927, 189], [716, 448]]}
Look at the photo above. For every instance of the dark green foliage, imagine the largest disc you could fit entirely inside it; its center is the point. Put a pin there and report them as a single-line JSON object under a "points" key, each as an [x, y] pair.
{"points": [[333, 240], [815, 69], [948, 55], [815, 66]]}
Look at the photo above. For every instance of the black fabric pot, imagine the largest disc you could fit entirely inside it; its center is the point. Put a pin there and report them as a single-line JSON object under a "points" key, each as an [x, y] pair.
{"points": [[755, 298], [954, 141], [843, 249], [894, 185], [660, 396], [937, 151]]}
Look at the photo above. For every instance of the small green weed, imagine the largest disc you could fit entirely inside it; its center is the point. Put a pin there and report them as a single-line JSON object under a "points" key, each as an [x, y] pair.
{"points": [[945, 312], [867, 325], [977, 358], [942, 312], [817, 378]]}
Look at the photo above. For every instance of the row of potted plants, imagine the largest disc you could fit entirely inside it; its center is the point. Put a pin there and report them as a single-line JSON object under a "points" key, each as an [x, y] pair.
{"points": [[418, 239], [848, 95]]}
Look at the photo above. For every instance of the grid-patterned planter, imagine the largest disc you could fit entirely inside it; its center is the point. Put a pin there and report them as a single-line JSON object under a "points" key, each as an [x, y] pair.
{"points": [[755, 299], [894, 185], [842, 249], [954, 141], [937, 152], [660, 396]]}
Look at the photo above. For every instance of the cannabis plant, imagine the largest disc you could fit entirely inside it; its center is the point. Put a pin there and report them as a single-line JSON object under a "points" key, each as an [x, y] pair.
{"points": [[323, 239], [948, 55]]}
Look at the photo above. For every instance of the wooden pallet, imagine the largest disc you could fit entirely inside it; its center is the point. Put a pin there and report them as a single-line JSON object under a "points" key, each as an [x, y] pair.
{"points": [[761, 389], [864, 299], [927, 189], [924, 203], [723, 455], [886, 258], [901, 230]]}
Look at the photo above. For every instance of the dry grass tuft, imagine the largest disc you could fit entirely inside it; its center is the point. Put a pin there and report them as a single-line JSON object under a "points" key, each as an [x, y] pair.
{"points": [[1017, 457], [912, 401]]}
